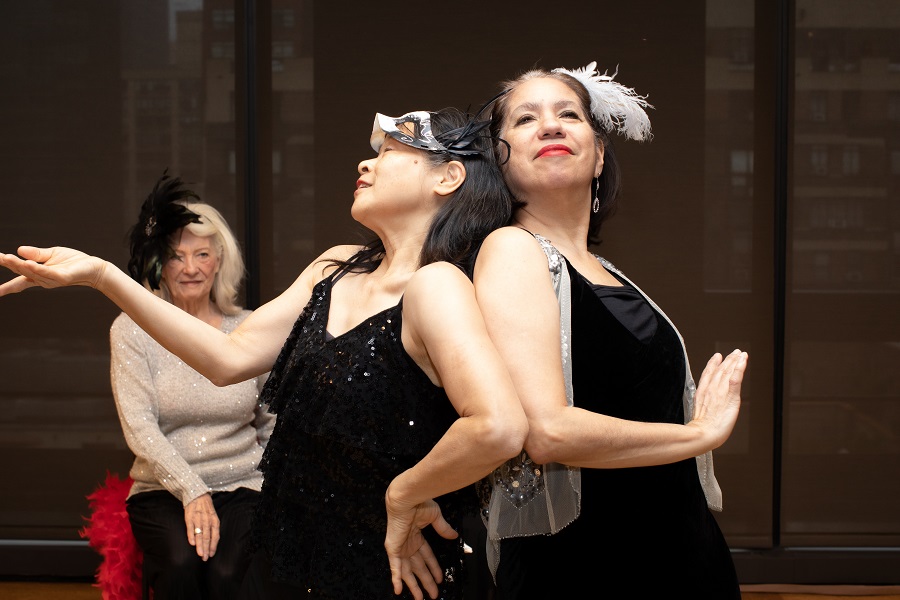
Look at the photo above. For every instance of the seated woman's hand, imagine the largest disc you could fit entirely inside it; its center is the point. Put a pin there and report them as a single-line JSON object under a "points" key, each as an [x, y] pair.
{"points": [[411, 559], [50, 268], [202, 524]]}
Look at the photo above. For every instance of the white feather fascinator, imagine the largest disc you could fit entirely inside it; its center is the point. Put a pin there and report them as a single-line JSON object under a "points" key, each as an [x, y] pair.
{"points": [[616, 107]]}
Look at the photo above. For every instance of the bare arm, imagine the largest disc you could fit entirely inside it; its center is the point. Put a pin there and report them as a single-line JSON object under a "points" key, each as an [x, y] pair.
{"points": [[249, 351], [515, 293], [444, 332]]}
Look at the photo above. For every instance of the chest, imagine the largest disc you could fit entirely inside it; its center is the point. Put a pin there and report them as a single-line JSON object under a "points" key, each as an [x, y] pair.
{"points": [[627, 360]]}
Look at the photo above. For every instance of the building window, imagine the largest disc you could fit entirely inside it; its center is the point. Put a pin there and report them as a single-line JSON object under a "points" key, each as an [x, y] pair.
{"points": [[223, 50], [850, 160], [223, 18], [283, 17], [818, 158], [818, 106]]}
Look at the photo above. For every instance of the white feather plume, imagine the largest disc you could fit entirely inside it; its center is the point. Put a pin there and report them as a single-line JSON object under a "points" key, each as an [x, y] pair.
{"points": [[616, 107]]}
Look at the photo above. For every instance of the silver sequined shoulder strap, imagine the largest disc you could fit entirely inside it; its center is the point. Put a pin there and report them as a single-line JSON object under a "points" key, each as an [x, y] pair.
{"points": [[559, 274]]}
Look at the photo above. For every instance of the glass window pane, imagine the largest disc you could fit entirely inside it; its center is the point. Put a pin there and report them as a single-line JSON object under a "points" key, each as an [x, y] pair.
{"points": [[842, 375], [99, 98], [735, 257], [294, 221]]}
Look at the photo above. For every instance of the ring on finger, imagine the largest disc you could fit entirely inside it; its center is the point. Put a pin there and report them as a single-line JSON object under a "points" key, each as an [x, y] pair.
{"points": [[197, 530]]}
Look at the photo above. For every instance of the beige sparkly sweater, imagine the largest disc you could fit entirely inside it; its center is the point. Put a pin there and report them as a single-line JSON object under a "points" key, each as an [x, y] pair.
{"points": [[188, 436]]}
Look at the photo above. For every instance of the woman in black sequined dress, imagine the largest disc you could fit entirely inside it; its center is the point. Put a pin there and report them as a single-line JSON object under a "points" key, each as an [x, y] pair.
{"points": [[388, 390]]}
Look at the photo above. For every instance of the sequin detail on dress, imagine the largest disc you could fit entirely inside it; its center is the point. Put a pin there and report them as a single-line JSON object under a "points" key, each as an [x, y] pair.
{"points": [[353, 411]]}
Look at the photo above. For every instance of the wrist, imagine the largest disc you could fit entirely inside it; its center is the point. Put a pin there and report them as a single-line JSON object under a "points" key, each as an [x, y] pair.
{"points": [[395, 498], [99, 276], [703, 438]]}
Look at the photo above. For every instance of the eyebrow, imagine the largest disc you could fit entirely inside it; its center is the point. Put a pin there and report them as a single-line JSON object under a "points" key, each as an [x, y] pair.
{"points": [[535, 106], [200, 249]]}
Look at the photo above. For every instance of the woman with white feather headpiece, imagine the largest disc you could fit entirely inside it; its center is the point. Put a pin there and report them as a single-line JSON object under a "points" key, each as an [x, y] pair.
{"points": [[614, 490]]}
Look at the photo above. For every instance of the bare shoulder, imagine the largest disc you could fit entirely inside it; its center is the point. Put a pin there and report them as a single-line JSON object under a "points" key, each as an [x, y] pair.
{"points": [[439, 306], [436, 281], [510, 250], [509, 238], [325, 263]]}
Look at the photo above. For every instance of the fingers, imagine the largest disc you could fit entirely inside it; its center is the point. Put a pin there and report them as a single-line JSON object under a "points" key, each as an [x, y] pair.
{"points": [[16, 285], [737, 374], [708, 371], [418, 572], [434, 574], [718, 397], [214, 538], [202, 525], [402, 572], [443, 528]]}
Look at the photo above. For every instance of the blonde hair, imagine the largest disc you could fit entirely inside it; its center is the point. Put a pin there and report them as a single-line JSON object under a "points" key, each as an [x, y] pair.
{"points": [[227, 281]]}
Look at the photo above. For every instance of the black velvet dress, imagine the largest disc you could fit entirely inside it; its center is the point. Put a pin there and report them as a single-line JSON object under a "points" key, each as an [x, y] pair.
{"points": [[353, 412], [643, 532]]}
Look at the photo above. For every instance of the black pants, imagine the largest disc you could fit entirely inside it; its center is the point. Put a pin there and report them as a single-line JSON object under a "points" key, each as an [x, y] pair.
{"points": [[171, 565]]}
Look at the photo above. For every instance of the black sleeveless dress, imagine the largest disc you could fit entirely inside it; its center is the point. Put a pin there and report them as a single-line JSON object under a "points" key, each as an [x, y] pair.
{"points": [[643, 532], [353, 412]]}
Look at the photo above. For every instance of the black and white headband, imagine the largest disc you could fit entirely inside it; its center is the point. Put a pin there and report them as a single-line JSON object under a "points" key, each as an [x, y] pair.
{"points": [[414, 129]]}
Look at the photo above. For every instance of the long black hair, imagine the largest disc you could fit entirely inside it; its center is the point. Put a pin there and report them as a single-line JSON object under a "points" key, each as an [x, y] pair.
{"points": [[480, 205]]}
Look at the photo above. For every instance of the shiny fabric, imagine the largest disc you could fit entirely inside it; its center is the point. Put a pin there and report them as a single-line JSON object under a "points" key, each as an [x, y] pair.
{"points": [[189, 436], [353, 412], [643, 532]]}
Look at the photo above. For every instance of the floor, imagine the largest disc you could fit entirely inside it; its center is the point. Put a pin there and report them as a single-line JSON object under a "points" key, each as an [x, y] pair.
{"points": [[17, 590]]}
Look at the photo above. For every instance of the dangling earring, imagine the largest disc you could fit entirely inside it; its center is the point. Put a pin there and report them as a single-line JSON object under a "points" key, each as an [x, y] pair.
{"points": [[595, 186]]}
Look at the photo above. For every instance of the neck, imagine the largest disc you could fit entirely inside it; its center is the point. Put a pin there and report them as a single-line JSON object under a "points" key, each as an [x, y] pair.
{"points": [[565, 225], [204, 309]]}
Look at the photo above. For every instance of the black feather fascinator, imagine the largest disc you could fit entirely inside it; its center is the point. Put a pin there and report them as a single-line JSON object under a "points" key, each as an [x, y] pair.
{"points": [[160, 217], [463, 140]]}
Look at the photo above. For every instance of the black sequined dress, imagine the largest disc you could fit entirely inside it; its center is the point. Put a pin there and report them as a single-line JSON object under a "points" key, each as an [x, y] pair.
{"points": [[643, 533], [353, 412]]}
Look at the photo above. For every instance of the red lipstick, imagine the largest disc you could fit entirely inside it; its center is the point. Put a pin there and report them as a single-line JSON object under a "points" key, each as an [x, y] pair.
{"points": [[554, 150]]}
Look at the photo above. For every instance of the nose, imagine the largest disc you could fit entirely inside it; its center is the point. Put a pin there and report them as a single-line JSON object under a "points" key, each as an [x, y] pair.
{"points": [[364, 166], [551, 126], [189, 265]]}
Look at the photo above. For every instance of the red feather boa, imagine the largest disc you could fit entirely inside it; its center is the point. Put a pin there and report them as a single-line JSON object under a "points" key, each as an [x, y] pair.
{"points": [[108, 531]]}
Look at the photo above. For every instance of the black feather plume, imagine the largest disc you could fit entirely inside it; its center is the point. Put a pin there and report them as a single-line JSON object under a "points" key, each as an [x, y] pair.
{"points": [[462, 140], [160, 217]]}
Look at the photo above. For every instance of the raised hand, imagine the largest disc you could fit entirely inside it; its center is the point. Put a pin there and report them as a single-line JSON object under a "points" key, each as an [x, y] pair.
{"points": [[411, 559], [718, 398], [50, 268]]}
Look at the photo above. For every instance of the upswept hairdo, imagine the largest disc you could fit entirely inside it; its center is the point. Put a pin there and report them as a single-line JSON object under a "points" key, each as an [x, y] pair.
{"points": [[227, 282], [610, 180], [480, 205]]}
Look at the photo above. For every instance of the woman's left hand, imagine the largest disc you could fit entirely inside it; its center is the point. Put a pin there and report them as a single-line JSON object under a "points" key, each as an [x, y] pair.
{"points": [[411, 558], [202, 524]]}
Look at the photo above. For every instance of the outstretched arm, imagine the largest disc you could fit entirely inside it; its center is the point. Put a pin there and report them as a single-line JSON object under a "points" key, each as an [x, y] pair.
{"points": [[514, 291], [250, 350]]}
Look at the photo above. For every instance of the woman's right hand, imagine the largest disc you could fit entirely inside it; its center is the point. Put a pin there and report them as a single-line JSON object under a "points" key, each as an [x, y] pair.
{"points": [[202, 523], [50, 268], [717, 401]]}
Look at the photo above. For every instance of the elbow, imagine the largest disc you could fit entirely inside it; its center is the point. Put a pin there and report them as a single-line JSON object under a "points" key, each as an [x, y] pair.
{"points": [[542, 443], [219, 380], [222, 375], [228, 367], [503, 436]]}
